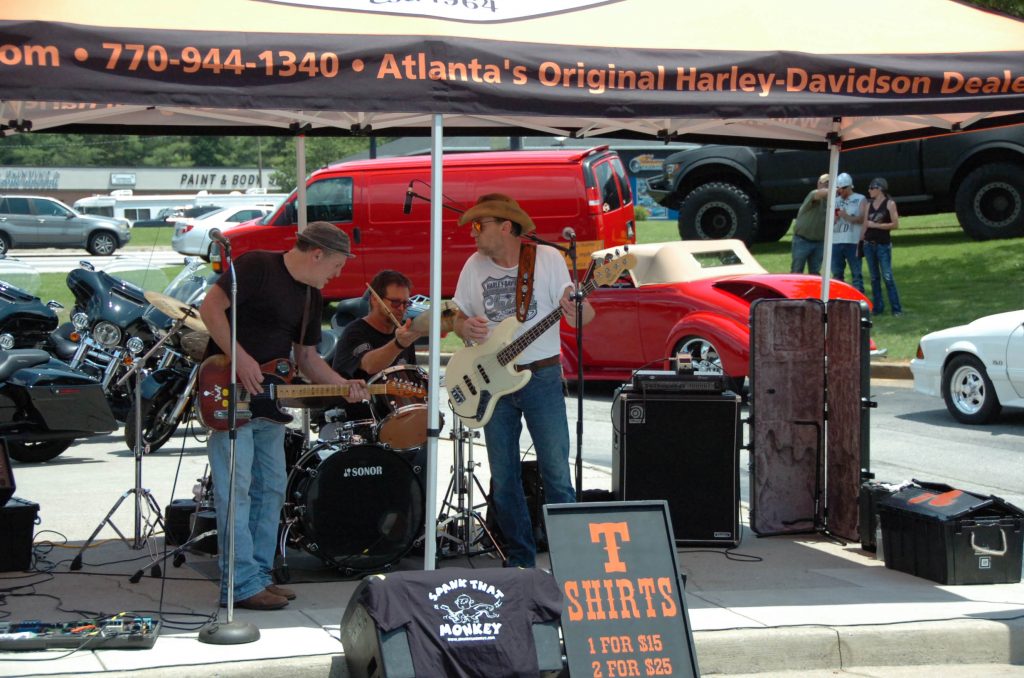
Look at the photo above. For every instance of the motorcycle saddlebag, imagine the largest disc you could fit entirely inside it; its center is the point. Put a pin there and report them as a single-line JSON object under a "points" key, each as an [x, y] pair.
{"points": [[66, 399]]}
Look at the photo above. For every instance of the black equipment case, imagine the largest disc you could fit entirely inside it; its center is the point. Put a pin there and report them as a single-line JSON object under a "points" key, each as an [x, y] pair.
{"points": [[952, 536], [17, 519]]}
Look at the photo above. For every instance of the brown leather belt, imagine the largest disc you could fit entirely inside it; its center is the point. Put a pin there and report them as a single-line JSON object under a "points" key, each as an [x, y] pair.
{"points": [[537, 364]]}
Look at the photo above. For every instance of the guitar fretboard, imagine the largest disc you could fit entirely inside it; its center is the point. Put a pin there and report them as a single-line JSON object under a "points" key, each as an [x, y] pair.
{"points": [[510, 352]]}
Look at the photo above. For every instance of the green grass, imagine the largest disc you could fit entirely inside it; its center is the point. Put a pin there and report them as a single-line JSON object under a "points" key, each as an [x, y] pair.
{"points": [[944, 278]]}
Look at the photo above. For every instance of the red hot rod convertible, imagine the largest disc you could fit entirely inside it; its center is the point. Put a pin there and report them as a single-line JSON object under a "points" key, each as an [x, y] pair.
{"points": [[691, 295]]}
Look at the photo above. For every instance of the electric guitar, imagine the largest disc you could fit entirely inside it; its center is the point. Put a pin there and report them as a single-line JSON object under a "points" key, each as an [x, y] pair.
{"points": [[213, 392], [477, 376]]}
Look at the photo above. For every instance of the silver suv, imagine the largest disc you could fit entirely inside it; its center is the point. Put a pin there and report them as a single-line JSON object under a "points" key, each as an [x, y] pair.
{"points": [[28, 221]]}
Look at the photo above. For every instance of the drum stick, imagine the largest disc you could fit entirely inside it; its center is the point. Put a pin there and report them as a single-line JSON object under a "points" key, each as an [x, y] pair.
{"points": [[387, 307]]}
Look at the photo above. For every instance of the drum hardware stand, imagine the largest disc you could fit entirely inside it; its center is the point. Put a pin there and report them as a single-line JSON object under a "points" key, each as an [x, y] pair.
{"points": [[140, 493], [203, 494], [230, 632], [456, 533]]}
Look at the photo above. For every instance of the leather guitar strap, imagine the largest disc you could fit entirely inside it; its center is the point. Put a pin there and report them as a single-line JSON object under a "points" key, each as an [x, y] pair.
{"points": [[524, 279]]}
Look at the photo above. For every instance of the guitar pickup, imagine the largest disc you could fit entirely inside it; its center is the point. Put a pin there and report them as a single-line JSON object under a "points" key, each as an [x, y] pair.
{"points": [[469, 384], [483, 373], [241, 414]]}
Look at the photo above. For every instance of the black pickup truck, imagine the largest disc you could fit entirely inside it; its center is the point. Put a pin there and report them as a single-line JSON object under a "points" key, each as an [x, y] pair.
{"points": [[753, 193]]}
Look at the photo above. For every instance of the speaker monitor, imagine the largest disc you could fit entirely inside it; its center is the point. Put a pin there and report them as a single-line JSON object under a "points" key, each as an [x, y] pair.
{"points": [[6, 474], [373, 653], [683, 449]]}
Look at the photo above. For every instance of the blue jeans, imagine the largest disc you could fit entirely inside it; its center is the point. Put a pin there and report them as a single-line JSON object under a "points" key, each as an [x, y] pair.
{"points": [[879, 258], [542, 403], [841, 254], [260, 481], [809, 252]]}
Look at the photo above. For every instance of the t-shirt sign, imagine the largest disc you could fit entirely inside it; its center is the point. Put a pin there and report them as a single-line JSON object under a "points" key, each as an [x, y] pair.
{"points": [[623, 613]]}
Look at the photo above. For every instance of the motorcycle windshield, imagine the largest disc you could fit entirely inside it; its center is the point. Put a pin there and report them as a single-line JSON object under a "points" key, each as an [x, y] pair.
{"points": [[17, 276]]}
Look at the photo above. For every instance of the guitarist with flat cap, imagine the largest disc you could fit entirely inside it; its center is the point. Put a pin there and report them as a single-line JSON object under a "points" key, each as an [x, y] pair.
{"points": [[486, 295], [276, 294]]}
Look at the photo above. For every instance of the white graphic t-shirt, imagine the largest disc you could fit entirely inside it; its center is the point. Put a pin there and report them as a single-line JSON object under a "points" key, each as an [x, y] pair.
{"points": [[489, 290], [843, 231]]}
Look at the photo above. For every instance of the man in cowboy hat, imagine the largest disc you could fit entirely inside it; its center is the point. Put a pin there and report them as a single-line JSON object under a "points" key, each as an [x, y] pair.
{"points": [[486, 295], [276, 293]]}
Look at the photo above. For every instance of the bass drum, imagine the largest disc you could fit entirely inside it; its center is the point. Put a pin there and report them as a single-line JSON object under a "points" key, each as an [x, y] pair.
{"points": [[358, 508]]}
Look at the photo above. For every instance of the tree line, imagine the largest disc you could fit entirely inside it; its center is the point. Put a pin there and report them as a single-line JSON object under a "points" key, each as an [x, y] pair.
{"points": [[127, 150]]}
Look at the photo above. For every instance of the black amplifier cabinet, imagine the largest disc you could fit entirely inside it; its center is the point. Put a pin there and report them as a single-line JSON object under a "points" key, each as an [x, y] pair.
{"points": [[683, 449]]}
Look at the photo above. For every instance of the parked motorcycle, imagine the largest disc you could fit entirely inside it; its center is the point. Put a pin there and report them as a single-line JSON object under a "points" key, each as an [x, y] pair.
{"points": [[45, 405], [25, 321], [110, 331], [168, 390]]}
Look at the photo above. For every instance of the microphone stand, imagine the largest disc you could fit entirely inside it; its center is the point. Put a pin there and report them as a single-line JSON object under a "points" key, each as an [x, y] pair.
{"points": [[231, 632], [577, 297]]}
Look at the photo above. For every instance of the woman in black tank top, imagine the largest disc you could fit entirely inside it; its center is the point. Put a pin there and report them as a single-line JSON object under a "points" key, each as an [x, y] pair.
{"points": [[882, 220]]}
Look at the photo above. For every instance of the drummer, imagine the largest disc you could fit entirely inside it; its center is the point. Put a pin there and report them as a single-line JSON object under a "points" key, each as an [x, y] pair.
{"points": [[381, 338]]}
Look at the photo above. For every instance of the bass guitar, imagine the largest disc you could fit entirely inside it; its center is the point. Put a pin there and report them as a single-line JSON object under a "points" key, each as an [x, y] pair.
{"points": [[213, 392], [477, 376]]}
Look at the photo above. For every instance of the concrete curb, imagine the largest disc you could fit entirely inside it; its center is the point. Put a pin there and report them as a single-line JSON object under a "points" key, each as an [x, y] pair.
{"points": [[826, 648]]}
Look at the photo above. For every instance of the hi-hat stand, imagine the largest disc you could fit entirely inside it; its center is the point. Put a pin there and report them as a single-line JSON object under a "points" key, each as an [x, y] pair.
{"points": [[461, 529], [142, 495]]}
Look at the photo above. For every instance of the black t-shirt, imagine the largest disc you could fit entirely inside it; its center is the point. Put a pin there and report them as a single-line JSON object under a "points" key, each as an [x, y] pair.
{"points": [[879, 215], [465, 623], [359, 338], [270, 307]]}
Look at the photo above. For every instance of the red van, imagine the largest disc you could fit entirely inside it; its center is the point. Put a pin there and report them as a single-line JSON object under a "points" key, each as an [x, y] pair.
{"points": [[587, 190]]}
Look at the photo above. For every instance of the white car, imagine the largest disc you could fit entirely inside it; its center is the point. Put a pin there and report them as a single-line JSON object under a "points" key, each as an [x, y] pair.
{"points": [[192, 236], [976, 368]]}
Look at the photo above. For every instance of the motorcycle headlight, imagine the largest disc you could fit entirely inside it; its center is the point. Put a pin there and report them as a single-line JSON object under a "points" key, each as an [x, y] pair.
{"points": [[135, 345], [107, 334], [6, 341], [80, 321]]}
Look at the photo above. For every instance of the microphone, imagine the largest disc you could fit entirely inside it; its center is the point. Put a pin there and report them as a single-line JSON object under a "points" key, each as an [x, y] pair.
{"points": [[408, 200], [568, 233], [218, 237]]}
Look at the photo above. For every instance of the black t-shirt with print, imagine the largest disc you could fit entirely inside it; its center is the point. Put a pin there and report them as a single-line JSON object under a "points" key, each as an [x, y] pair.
{"points": [[464, 623], [357, 339], [270, 307]]}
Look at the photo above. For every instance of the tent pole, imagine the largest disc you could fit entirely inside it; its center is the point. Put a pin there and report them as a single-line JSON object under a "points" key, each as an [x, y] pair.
{"points": [[300, 181], [835, 145], [434, 372]]}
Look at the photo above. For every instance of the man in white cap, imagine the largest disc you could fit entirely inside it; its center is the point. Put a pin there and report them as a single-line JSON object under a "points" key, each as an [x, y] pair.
{"points": [[486, 295], [851, 208], [276, 293]]}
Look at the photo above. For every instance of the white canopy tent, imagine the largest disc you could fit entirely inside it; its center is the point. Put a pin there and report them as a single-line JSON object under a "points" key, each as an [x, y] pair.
{"points": [[809, 73]]}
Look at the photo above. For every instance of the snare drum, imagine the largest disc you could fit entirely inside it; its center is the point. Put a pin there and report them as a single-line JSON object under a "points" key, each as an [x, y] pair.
{"points": [[401, 421], [357, 508]]}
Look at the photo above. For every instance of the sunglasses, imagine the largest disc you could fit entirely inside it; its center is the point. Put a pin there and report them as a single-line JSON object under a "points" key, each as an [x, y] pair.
{"points": [[874, 187], [398, 303], [478, 225]]}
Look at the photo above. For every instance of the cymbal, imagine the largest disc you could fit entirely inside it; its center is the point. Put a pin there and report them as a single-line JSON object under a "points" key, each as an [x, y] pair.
{"points": [[421, 323], [176, 310]]}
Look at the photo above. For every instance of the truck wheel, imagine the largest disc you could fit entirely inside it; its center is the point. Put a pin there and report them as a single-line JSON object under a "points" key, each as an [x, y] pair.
{"points": [[5, 243], [968, 392], [716, 211], [990, 202], [34, 452]]}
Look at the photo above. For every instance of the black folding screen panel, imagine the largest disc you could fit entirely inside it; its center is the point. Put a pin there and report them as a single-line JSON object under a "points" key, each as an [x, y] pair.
{"points": [[804, 475]]}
